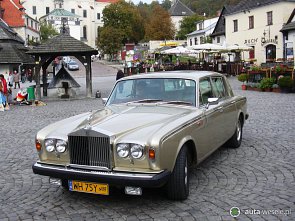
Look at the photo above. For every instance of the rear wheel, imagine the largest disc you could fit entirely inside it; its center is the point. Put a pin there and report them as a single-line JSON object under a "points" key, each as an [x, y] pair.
{"points": [[236, 140], [178, 183]]}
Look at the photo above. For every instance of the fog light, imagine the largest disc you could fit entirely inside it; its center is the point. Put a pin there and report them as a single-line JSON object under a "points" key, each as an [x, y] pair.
{"points": [[55, 181], [130, 190]]}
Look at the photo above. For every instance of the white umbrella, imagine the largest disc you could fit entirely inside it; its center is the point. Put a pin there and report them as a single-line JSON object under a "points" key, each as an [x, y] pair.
{"points": [[208, 47], [179, 50], [237, 47]]}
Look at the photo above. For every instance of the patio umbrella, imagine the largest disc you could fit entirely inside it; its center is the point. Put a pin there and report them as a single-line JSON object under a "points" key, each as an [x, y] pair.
{"points": [[237, 47], [179, 50]]}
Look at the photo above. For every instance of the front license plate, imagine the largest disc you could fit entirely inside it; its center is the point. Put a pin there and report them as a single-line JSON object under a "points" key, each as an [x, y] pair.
{"points": [[87, 187]]}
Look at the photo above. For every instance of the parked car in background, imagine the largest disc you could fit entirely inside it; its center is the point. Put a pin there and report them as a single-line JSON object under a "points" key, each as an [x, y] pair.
{"points": [[66, 60], [152, 129], [73, 65]]}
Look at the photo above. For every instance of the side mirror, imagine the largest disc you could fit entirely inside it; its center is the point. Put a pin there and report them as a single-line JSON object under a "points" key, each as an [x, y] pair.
{"points": [[104, 100], [212, 101]]}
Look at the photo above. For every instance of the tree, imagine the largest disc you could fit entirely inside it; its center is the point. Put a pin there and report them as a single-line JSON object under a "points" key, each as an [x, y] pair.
{"points": [[166, 4], [47, 31], [188, 25], [159, 26], [124, 20]]}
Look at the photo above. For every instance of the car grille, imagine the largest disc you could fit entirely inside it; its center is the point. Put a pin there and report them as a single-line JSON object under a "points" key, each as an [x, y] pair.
{"points": [[90, 151]]}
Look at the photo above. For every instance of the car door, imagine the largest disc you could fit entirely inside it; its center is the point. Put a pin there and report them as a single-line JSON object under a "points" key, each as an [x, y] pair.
{"points": [[208, 137], [227, 108]]}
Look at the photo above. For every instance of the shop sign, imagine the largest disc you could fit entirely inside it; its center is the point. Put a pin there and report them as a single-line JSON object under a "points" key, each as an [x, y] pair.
{"points": [[268, 41], [252, 41]]}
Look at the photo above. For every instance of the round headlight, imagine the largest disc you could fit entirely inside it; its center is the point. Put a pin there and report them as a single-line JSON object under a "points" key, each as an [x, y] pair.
{"points": [[123, 150], [136, 151], [50, 145], [61, 146]]}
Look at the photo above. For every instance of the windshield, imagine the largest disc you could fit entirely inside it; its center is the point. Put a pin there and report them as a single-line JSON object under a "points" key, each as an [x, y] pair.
{"points": [[180, 91], [72, 62]]}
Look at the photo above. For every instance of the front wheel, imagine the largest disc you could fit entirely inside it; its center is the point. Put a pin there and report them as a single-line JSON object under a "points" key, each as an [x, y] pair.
{"points": [[178, 183], [236, 140]]}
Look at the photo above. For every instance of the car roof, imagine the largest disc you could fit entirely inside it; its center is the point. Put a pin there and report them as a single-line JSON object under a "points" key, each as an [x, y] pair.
{"points": [[187, 74]]}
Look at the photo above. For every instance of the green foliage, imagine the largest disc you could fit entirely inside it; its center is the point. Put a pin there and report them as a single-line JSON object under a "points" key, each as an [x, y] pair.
{"points": [[267, 83], [243, 77], [255, 68], [188, 25], [47, 31], [122, 23], [166, 4], [285, 82]]}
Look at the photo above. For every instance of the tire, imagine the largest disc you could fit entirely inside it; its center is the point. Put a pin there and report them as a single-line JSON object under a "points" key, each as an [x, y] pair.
{"points": [[178, 183], [65, 184], [236, 140]]}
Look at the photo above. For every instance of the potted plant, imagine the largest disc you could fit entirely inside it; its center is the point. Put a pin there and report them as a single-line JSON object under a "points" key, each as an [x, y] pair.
{"points": [[243, 78], [266, 84], [285, 83], [276, 88]]}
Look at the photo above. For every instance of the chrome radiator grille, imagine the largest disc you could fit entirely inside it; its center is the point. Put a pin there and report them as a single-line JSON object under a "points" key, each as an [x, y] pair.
{"points": [[90, 151]]}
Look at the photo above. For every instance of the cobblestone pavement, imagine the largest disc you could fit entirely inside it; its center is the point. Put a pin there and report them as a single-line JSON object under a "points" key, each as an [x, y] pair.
{"points": [[257, 176]]}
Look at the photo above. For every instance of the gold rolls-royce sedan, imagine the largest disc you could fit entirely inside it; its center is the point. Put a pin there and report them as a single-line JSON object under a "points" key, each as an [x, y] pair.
{"points": [[152, 129]]}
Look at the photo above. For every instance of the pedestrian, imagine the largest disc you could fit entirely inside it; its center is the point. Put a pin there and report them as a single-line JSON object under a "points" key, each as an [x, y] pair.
{"points": [[10, 79], [23, 75], [16, 79], [120, 74], [3, 94], [30, 75]]}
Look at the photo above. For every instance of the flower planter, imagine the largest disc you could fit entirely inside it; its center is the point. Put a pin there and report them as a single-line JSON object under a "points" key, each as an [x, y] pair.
{"points": [[276, 90], [268, 90], [244, 87]]}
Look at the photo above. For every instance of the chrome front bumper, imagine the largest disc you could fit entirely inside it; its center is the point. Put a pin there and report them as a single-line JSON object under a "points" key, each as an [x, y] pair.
{"points": [[115, 178]]}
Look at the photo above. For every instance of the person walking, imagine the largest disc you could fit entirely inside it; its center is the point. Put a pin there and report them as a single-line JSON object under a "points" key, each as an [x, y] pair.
{"points": [[10, 79], [16, 79], [3, 94]]}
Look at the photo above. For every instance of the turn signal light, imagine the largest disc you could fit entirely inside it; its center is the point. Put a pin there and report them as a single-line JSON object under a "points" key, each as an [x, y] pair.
{"points": [[38, 145], [152, 154]]}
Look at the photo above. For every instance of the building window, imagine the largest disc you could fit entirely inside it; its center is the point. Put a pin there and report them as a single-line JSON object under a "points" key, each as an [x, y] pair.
{"points": [[190, 42], [47, 10], [235, 25], [73, 10], [196, 41], [270, 52], [27, 21], [32, 24], [251, 22], [36, 27], [218, 40], [269, 18], [202, 40], [85, 13], [98, 16], [34, 10], [200, 26], [84, 32]]}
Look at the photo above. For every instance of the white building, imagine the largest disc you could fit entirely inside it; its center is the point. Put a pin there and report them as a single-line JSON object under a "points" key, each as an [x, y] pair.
{"points": [[60, 18], [257, 24], [203, 30], [178, 11], [288, 31], [90, 12]]}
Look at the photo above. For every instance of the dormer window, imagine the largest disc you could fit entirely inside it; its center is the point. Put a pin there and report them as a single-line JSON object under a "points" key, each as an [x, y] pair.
{"points": [[183, 13]]}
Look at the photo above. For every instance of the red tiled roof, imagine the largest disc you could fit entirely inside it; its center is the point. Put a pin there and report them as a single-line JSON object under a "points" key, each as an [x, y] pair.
{"points": [[12, 15], [108, 1]]}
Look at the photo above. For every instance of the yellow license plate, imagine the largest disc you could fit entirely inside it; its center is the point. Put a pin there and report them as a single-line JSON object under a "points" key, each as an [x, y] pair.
{"points": [[88, 187]]}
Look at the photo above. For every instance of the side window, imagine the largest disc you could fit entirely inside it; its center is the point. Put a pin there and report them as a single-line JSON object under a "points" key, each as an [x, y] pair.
{"points": [[205, 91], [218, 87]]}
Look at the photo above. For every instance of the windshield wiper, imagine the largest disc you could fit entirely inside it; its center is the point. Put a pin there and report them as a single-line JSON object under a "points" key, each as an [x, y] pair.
{"points": [[146, 101], [179, 102]]}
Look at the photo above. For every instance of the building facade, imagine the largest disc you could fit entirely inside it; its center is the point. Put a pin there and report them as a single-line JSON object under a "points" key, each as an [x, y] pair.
{"points": [[13, 13], [288, 31], [203, 31], [258, 24], [89, 12]]}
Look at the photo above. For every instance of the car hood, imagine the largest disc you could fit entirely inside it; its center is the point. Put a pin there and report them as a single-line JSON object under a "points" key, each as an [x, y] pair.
{"points": [[128, 121]]}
